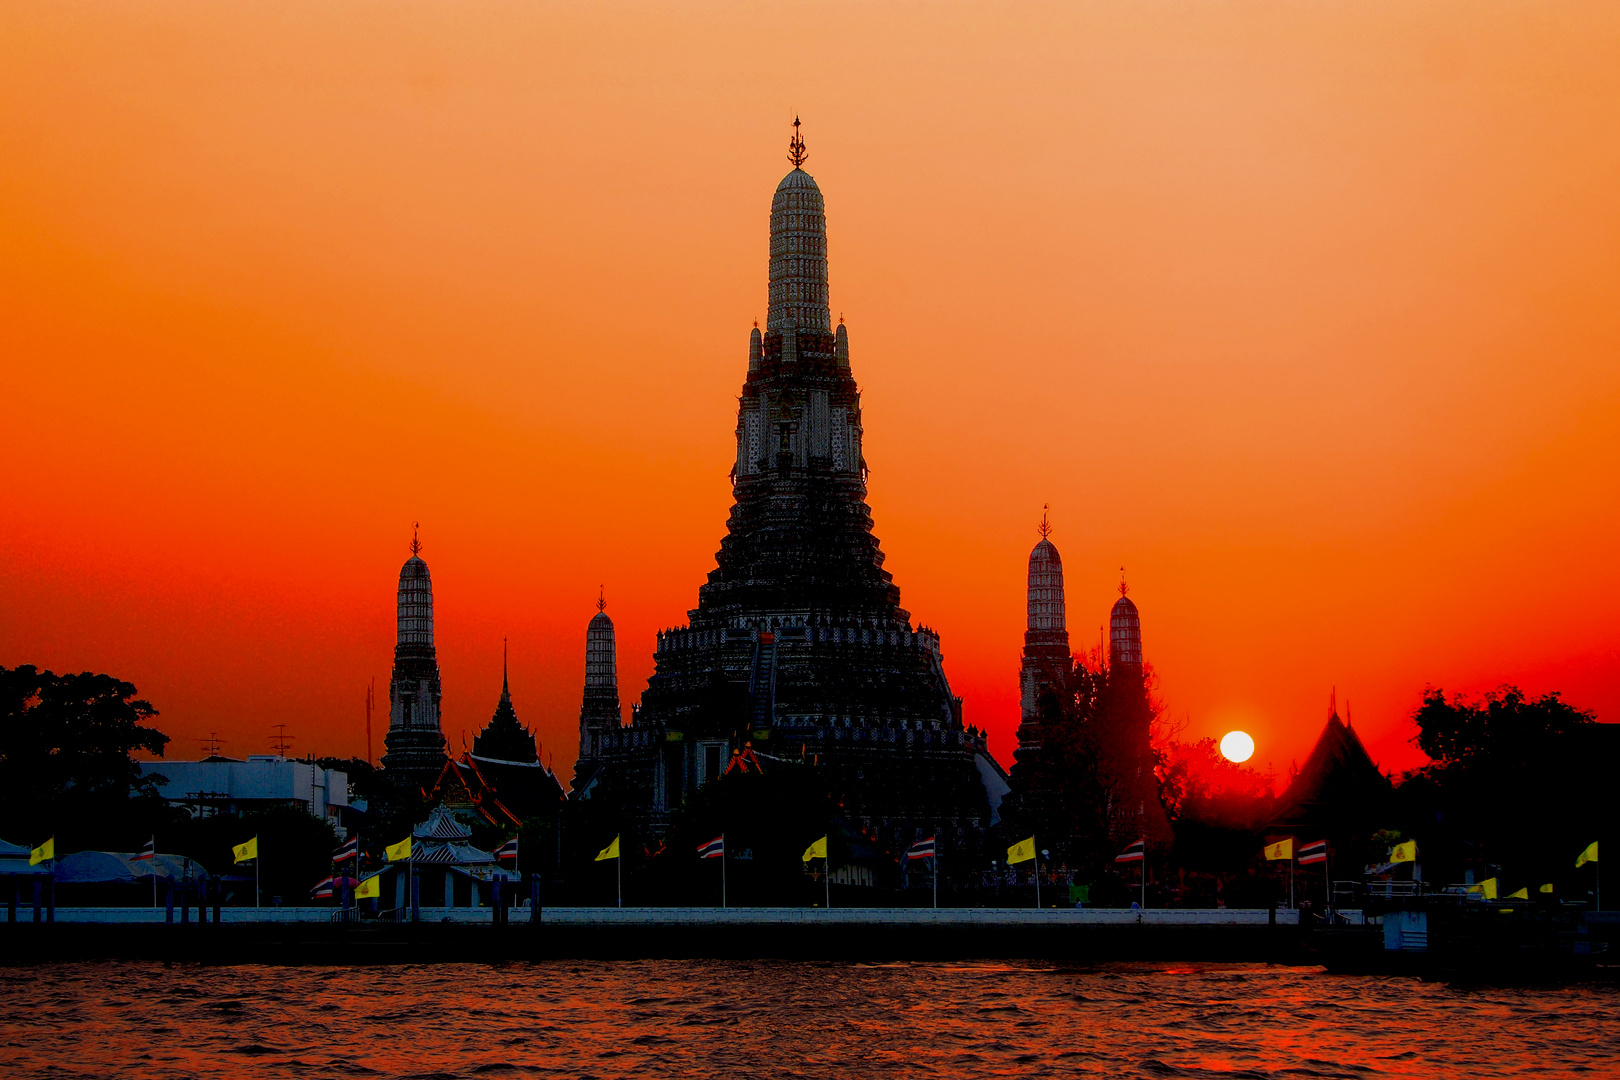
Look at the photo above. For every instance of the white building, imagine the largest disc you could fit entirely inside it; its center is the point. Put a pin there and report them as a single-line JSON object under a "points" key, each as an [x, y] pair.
{"points": [[224, 785]]}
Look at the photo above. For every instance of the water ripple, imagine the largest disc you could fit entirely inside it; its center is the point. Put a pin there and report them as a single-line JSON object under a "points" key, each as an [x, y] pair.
{"points": [[789, 1020]]}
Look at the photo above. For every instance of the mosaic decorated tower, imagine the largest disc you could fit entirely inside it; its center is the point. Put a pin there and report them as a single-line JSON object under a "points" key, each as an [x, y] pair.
{"points": [[599, 711], [798, 645], [414, 746], [1047, 663]]}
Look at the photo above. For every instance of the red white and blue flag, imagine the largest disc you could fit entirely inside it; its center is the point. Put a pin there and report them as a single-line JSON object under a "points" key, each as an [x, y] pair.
{"points": [[147, 853], [325, 890], [507, 850], [922, 849], [1316, 852], [1135, 853], [714, 849], [349, 850]]}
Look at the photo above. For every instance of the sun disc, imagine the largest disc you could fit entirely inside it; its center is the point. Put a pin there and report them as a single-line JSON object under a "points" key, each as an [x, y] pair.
{"points": [[1237, 746]]}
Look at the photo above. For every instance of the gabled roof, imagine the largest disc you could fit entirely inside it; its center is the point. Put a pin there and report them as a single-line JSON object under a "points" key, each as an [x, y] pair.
{"points": [[1338, 781], [441, 825]]}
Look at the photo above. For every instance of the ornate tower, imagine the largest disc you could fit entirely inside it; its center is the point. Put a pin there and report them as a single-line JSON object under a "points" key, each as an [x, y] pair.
{"points": [[599, 711], [1127, 737], [1047, 663], [414, 745], [504, 738], [1125, 632], [798, 645]]}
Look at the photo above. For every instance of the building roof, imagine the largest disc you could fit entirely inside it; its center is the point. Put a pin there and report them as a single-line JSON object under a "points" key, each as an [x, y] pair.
{"points": [[441, 825], [1338, 784]]}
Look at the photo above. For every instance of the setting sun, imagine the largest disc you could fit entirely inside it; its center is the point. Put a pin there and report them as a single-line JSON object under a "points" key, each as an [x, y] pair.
{"points": [[1237, 746]]}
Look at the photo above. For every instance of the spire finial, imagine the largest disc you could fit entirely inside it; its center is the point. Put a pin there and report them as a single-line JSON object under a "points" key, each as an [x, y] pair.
{"points": [[506, 686], [1045, 527], [796, 151], [601, 597], [416, 545], [1123, 588]]}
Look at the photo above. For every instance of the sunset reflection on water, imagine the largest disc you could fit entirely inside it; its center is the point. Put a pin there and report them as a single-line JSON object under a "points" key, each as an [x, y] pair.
{"points": [[710, 1018]]}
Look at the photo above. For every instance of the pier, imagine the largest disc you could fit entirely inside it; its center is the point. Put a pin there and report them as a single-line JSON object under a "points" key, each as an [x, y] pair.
{"points": [[312, 935]]}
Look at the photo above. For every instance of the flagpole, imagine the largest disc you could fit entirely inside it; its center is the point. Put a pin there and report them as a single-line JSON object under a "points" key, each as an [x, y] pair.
{"points": [[827, 877], [1037, 855], [936, 869], [154, 873], [618, 870], [256, 861], [722, 870]]}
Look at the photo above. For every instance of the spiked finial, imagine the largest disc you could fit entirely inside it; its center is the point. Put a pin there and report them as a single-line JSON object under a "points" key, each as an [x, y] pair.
{"points": [[796, 151], [1045, 527], [416, 545], [601, 597], [1123, 588], [506, 686]]}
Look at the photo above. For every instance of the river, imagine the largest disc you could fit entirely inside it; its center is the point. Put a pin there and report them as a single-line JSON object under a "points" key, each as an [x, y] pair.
{"points": [[765, 1019]]}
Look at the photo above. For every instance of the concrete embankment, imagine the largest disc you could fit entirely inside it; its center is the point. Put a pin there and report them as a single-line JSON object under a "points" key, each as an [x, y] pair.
{"points": [[309, 936]]}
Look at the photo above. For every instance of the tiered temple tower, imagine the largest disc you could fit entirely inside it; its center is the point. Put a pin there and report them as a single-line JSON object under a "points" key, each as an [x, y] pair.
{"points": [[798, 645], [599, 711], [414, 746], [1127, 739], [1047, 663]]}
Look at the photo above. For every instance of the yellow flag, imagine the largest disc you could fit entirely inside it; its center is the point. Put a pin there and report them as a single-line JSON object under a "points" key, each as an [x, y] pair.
{"points": [[401, 850], [817, 850], [44, 853], [1547, 888], [609, 852], [369, 889], [1486, 888], [1282, 849], [1023, 851], [1589, 855], [1406, 852], [246, 852], [1519, 894]]}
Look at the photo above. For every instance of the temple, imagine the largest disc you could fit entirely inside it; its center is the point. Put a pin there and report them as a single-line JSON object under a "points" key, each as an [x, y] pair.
{"points": [[1047, 664], [414, 746], [599, 710], [1126, 738], [798, 647]]}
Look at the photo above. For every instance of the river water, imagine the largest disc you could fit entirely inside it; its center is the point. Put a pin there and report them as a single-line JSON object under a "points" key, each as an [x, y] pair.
{"points": [[729, 1019]]}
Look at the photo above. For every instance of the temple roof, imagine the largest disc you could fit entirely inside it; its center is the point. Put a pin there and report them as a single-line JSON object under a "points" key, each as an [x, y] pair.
{"points": [[504, 737], [1338, 781]]}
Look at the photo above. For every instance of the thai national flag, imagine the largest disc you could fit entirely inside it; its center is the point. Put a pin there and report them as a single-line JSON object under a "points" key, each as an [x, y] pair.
{"points": [[507, 850], [1135, 853], [714, 849], [1316, 852], [323, 890], [147, 853], [922, 849], [349, 850]]}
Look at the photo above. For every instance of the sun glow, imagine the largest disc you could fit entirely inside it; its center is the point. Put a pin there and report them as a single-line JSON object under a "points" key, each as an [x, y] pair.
{"points": [[1237, 746]]}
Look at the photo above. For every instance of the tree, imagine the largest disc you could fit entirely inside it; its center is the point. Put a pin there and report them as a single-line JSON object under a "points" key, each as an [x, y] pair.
{"points": [[65, 754], [1511, 782]]}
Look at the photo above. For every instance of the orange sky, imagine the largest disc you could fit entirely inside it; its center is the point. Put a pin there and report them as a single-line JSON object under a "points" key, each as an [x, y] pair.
{"points": [[1307, 314]]}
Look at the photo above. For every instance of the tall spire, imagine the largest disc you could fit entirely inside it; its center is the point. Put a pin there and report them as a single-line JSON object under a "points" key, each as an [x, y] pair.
{"points": [[798, 291], [506, 685], [415, 741], [796, 151]]}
